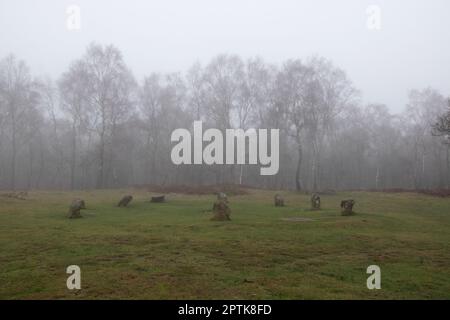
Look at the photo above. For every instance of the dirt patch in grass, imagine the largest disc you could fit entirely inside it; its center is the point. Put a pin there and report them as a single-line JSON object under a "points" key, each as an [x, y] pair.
{"points": [[297, 219]]}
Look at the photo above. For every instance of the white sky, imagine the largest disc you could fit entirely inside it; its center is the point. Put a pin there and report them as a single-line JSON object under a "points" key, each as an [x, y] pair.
{"points": [[412, 49]]}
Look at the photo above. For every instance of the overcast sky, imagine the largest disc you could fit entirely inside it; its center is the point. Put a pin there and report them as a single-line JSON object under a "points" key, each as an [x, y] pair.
{"points": [[411, 50]]}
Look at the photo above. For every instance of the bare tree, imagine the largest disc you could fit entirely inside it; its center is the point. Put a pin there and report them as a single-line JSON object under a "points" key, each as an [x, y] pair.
{"points": [[111, 84], [442, 126], [423, 108], [86, 132], [18, 97], [75, 91], [223, 82], [442, 129], [292, 89]]}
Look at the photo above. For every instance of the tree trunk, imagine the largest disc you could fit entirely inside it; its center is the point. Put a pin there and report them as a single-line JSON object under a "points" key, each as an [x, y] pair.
{"points": [[422, 183], [315, 167], [298, 184], [377, 178], [14, 152], [41, 164], [101, 168], [30, 164], [148, 160], [73, 157], [447, 156]]}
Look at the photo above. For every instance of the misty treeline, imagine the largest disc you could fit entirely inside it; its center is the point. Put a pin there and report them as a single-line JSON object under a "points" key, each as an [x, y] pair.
{"points": [[98, 127]]}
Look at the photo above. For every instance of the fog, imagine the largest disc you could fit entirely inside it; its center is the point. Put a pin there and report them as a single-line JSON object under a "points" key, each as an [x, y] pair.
{"points": [[357, 98], [410, 50]]}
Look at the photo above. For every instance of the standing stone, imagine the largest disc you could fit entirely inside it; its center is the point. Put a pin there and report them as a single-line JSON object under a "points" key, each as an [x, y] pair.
{"points": [[347, 207], [158, 199], [279, 201], [221, 211], [75, 208], [125, 201], [315, 201]]}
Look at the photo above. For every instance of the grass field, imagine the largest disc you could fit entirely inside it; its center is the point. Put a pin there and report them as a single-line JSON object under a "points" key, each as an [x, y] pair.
{"points": [[173, 251]]}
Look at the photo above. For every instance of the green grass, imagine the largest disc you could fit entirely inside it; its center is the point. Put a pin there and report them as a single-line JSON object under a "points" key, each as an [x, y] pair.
{"points": [[173, 251]]}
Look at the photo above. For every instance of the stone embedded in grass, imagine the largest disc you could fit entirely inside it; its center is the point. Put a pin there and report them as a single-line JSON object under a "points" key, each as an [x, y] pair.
{"points": [[158, 199], [347, 207], [75, 208], [315, 201], [221, 211], [279, 201], [125, 201]]}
